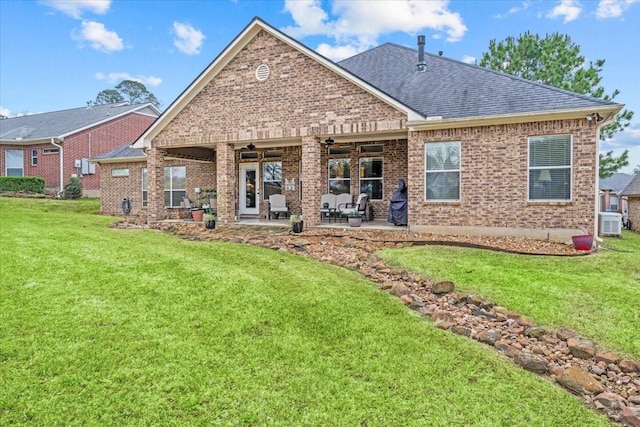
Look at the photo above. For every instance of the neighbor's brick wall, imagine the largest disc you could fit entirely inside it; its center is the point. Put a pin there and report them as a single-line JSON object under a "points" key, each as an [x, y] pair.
{"points": [[494, 178], [114, 189], [634, 213], [103, 138]]}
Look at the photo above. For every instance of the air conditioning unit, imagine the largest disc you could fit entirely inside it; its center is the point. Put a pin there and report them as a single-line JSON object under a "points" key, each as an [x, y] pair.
{"points": [[610, 223]]}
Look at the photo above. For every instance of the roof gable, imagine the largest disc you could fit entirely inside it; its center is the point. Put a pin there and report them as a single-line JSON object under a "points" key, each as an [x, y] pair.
{"points": [[633, 188], [616, 182], [58, 124]]}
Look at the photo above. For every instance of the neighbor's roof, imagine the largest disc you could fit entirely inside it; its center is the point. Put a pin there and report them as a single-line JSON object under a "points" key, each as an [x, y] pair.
{"points": [[120, 154], [633, 188], [616, 182], [453, 89], [58, 124]]}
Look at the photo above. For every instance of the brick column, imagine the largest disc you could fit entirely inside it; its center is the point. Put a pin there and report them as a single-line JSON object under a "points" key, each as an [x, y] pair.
{"points": [[415, 176], [226, 177], [155, 184], [311, 181]]}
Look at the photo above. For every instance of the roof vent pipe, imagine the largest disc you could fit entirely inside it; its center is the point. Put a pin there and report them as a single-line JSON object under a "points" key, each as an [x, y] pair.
{"points": [[422, 66]]}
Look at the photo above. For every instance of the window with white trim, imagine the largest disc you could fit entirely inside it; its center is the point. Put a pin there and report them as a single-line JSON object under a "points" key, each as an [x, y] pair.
{"points": [[442, 171], [550, 165], [175, 184], [119, 172], [34, 157], [339, 176], [613, 203], [50, 150], [145, 188], [271, 179], [14, 161], [371, 177]]}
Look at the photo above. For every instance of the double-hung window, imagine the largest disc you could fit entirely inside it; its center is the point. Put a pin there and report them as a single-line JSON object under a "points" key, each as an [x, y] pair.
{"points": [[371, 177], [339, 176], [272, 178], [175, 184], [442, 174], [34, 157], [550, 166], [14, 161]]}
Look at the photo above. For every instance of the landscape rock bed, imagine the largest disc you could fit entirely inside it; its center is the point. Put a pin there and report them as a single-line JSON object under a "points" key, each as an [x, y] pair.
{"points": [[604, 381]]}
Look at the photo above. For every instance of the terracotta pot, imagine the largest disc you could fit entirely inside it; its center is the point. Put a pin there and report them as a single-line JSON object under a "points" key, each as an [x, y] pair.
{"points": [[197, 215]]}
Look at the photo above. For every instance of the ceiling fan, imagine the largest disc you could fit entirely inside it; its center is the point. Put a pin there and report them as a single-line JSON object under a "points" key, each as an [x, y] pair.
{"points": [[328, 141], [249, 147]]}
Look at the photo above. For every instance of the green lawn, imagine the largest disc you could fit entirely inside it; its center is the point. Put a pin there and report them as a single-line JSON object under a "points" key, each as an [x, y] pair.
{"points": [[597, 295], [106, 327]]}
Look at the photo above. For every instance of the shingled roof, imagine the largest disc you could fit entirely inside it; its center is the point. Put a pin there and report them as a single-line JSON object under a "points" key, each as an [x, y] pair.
{"points": [[58, 124], [124, 153], [453, 89], [633, 188], [616, 182]]}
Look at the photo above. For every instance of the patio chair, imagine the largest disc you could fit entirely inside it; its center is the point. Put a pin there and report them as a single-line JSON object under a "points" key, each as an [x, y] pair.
{"points": [[328, 206], [360, 206], [187, 207], [277, 205]]}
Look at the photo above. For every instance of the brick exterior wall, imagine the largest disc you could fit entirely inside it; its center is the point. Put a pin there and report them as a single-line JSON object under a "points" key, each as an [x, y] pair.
{"points": [[88, 143], [494, 178], [634, 213]]}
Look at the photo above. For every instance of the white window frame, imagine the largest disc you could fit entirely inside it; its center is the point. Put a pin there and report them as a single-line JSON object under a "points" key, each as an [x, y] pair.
{"points": [[266, 182], [145, 187], [434, 171], [342, 179], [548, 170], [172, 189], [34, 157], [371, 179], [120, 172], [611, 202], [11, 166]]}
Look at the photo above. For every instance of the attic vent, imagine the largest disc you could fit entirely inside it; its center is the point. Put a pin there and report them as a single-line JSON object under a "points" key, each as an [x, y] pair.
{"points": [[262, 72]]}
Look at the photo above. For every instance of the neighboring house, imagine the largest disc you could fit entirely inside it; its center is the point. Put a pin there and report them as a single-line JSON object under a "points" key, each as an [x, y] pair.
{"points": [[59, 144], [610, 188], [482, 152], [632, 193]]}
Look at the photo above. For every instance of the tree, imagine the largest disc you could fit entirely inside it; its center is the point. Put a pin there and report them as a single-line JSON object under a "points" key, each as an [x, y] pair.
{"points": [[127, 91], [556, 61], [636, 170], [610, 164], [109, 96]]}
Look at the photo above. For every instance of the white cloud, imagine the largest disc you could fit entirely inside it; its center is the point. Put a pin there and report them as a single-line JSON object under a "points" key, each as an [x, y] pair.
{"points": [[469, 59], [5, 111], [188, 39], [514, 10], [569, 9], [612, 8], [118, 77], [99, 37], [359, 23], [75, 8]]}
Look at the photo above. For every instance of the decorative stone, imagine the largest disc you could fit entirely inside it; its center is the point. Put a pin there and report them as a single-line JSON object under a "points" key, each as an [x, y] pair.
{"points": [[635, 400], [443, 316], [461, 330], [564, 334], [508, 350], [580, 382], [489, 336], [610, 400], [535, 332], [630, 416], [444, 325], [442, 287], [532, 362], [580, 348], [629, 366], [598, 370], [606, 357], [398, 289]]}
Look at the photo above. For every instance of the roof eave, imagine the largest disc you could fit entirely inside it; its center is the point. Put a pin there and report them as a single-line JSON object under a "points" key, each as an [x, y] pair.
{"points": [[108, 119], [120, 160], [606, 111]]}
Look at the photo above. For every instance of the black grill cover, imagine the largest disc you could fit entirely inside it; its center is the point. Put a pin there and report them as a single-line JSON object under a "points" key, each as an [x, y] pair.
{"points": [[398, 206]]}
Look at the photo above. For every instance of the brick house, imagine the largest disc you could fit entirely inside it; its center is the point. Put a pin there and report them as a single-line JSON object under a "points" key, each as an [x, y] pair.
{"points": [[482, 152], [632, 193], [611, 199], [57, 144]]}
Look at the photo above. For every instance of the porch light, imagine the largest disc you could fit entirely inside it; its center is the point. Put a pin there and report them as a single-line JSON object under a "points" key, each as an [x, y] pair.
{"points": [[594, 116], [329, 141]]}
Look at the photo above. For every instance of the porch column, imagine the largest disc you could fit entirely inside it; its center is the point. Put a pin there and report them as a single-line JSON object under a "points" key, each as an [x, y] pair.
{"points": [[226, 182], [155, 184], [311, 185], [415, 177]]}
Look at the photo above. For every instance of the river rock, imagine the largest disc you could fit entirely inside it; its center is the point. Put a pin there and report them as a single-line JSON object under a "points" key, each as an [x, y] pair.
{"points": [[580, 382]]}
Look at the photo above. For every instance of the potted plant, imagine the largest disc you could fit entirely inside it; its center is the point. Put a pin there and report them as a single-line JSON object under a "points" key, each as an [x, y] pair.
{"points": [[355, 219], [209, 219], [296, 223]]}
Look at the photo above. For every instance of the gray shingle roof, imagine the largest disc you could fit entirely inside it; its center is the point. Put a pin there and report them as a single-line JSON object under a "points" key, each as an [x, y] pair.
{"points": [[616, 182], [633, 188], [64, 122], [123, 152], [454, 89]]}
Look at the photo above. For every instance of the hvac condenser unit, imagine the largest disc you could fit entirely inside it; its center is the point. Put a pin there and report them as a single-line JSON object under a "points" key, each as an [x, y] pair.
{"points": [[610, 223]]}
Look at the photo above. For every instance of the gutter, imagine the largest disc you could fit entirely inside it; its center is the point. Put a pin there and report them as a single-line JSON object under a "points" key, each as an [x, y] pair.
{"points": [[610, 117], [61, 164]]}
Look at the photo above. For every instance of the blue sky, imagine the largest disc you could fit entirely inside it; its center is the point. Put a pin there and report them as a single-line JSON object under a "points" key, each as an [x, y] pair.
{"points": [[58, 54]]}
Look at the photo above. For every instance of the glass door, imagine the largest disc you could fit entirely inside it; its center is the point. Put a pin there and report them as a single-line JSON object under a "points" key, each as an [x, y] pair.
{"points": [[249, 191]]}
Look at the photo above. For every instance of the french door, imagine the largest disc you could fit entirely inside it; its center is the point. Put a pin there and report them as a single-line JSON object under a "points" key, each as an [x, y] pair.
{"points": [[249, 203]]}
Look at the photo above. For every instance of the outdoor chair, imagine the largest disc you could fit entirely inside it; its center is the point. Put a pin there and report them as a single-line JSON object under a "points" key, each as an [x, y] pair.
{"points": [[187, 207], [278, 205], [328, 206], [360, 206]]}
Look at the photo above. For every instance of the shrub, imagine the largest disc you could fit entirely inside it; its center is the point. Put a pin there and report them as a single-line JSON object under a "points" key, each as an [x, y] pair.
{"points": [[29, 184], [73, 189]]}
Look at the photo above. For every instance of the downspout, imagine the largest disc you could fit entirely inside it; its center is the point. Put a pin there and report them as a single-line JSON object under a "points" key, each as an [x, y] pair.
{"points": [[596, 225], [61, 165]]}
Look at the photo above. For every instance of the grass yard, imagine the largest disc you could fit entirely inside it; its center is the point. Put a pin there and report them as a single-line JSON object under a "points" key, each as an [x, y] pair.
{"points": [[106, 327], [597, 295]]}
